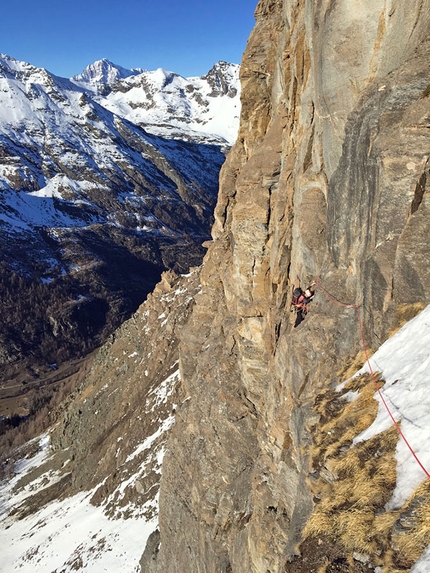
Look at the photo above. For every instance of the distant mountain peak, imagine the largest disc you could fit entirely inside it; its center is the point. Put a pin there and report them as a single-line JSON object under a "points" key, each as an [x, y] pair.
{"points": [[9, 64], [223, 78], [106, 72]]}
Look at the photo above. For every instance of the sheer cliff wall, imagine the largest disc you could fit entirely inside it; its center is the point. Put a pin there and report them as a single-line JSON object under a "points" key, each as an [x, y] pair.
{"points": [[328, 180]]}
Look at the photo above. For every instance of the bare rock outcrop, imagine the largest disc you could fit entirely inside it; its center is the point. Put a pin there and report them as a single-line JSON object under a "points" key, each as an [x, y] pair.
{"points": [[328, 180]]}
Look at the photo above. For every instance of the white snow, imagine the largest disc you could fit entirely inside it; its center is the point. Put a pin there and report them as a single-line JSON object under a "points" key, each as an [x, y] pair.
{"points": [[71, 531], [52, 126], [165, 389], [68, 531], [404, 362], [168, 104], [73, 534], [164, 426], [104, 71]]}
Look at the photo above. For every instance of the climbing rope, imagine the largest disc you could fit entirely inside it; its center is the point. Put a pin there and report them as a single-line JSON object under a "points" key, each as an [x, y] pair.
{"points": [[372, 374]]}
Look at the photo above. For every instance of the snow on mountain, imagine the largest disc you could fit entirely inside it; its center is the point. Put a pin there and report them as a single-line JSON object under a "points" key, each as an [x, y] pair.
{"points": [[72, 531], [115, 170], [60, 141], [105, 72], [56, 133], [167, 104]]}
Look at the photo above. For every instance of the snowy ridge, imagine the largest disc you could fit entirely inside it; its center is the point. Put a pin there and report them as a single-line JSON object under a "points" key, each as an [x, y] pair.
{"points": [[61, 138], [166, 103], [95, 200], [74, 532]]}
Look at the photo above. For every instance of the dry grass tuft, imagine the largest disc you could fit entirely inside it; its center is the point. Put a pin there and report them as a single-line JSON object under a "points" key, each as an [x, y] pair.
{"points": [[404, 313], [352, 483], [363, 480], [342, 420], [411, 531]]}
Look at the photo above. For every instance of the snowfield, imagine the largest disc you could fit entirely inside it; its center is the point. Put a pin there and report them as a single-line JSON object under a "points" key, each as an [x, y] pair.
{"points": [[404, 361], [72, 533]]}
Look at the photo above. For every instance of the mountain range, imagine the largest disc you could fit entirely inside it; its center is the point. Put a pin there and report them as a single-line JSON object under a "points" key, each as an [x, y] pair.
{"points": [[107, 179]]}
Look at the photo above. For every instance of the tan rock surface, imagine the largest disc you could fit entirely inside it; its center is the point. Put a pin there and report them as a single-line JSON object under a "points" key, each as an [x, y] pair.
{"points": [[328, 179]]}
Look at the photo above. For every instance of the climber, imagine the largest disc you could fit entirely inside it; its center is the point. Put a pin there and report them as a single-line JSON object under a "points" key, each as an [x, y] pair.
{"points": [[299, 303]]}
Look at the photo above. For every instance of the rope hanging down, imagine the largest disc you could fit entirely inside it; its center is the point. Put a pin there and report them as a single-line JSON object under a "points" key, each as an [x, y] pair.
{"points": [[360, 323]]}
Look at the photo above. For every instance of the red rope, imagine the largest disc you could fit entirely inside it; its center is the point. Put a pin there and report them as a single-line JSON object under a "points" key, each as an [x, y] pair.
{"points": [[358, 307]]}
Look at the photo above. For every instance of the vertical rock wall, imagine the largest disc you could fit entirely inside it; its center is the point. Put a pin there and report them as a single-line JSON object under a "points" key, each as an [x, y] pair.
{"points": [[329, 178]]}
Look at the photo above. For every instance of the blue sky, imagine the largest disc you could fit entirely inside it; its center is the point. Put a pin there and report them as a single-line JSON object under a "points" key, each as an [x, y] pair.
{"points": [[184, 36]]}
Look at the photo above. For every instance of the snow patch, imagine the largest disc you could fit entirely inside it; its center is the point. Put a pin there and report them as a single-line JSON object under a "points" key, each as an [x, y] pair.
{"points": [[404, 363]]}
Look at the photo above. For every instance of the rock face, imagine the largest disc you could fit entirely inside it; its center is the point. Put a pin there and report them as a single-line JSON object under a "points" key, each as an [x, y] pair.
{"points": [[130, 395], [329, 180]]}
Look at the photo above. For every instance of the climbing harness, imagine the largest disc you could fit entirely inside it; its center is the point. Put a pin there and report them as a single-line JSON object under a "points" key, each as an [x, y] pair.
{"points": [[300, 301], [372, 374]]}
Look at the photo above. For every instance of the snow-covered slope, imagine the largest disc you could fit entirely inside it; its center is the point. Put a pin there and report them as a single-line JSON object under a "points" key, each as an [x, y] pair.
{"points": [[167, 103], [112, 167], [70, 534], [73, 533], [88, 497]]}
